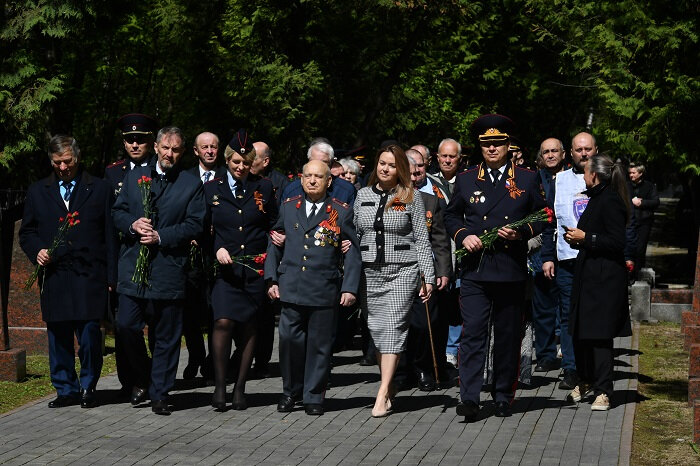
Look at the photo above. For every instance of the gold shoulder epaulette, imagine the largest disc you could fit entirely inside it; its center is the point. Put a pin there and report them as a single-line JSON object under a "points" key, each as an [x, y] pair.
{"points": [[293, 198]]}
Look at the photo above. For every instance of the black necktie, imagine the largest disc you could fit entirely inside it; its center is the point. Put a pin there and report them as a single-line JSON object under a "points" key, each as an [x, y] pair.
{"points": [[495, 174], [313, 211], [67, 185]]}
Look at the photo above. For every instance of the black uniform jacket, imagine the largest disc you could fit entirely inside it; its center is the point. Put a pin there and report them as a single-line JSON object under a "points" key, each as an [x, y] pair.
{"points": [[241, 225], [439, 241], [599, 306], [75, 285], [477, 206]]}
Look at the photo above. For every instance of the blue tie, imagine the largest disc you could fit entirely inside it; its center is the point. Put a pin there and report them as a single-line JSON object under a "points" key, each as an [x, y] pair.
{"points": [[67, 185]]}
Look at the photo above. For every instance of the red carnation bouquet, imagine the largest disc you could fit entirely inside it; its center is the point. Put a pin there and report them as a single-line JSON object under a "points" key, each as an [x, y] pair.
{"points": [[249, 261], [489, 238], [142, 269], [65, 223]]}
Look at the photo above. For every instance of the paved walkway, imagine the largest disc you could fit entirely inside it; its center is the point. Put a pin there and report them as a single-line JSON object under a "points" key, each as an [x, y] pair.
{"points": [[544, 428]]}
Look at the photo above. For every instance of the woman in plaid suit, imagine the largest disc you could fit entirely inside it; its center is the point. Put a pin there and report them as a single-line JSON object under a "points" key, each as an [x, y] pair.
{"points": [[395, 247]]}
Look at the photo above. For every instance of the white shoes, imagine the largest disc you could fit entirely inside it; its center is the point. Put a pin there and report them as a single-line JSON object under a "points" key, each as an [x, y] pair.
{"points": [[451, 358], [601, 403], [578, 393]]}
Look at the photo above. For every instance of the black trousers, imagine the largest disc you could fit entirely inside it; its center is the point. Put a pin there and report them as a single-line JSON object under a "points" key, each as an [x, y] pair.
{"points": [[306, 341], [265, 339], [418, 355], [643, 232], [477, 301], [196, 312], [165, 330], [594, 363]]}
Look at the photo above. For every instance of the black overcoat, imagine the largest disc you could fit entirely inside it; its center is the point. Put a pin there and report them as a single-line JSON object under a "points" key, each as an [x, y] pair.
{"points": [[599, 305], [75, 285], [179, 217]]}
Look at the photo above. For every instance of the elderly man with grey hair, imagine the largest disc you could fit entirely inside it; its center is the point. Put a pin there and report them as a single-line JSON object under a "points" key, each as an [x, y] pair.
{"points": [[339, 189], [449, 157]]}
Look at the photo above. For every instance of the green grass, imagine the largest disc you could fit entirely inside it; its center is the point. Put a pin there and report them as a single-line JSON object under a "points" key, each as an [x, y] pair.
{"points": [[663, 423], [37, 384]]}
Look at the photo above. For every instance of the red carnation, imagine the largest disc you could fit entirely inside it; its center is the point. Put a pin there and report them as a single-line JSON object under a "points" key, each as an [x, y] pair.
{"points": [[260, 258], [61, 219], [260, 272]]}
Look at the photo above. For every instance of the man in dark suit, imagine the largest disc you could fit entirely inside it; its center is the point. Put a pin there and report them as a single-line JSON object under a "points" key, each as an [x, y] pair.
{"points": [[138, 133], [418, 359], [197, 304], [306, 276], [339, 188], [77, 273], [266, 319], [492, 194], [177, 206]]}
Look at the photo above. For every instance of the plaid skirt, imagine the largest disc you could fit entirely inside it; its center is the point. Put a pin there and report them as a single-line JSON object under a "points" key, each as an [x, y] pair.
{"points": [[387, 295]]}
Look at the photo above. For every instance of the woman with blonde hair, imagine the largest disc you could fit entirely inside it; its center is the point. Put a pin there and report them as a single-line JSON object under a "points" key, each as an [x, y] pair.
{"points": [[395, 248]]}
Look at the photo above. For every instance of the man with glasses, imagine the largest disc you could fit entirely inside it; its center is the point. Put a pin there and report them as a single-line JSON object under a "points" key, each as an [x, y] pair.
{"points": [[558, 257]]}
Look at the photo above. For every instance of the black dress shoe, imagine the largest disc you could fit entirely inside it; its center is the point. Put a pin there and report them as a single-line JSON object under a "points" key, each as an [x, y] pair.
{"points": [[569, 381], [502, 409], [468, 409], [313, 409], [426, 383], [63, 401], [138, 395], [160, 407], [368, 361], [190, 371], [546, 365], [262, 371], [239, 401], [286, 404], [88, 398]]}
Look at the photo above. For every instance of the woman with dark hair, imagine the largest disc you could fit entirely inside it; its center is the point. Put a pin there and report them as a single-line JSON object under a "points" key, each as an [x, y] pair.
{"points": [[395, 247], [241, 209], [599, 306]]}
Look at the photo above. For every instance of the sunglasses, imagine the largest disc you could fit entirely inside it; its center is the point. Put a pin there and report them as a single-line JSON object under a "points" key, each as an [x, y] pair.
{"points": [[136, 138]]}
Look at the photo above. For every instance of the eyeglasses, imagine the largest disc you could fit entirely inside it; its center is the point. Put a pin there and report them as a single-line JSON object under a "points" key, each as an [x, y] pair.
{"points": [[136, 138]]}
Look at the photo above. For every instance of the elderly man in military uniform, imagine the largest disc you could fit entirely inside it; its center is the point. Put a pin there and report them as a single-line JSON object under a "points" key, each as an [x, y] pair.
{"points": [[491, 195], [138, 133], [311, 276]]}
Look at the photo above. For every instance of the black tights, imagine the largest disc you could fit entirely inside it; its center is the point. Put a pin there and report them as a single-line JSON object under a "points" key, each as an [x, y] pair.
{"points": [[221, 346]]}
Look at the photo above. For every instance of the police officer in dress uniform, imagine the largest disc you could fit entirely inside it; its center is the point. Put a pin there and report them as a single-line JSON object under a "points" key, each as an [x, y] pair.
{"points": [[306, 276], [241, 209], [492, 194], [138, 133]]}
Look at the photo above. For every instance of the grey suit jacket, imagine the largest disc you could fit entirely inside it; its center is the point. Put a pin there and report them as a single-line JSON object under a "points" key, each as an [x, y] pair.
{"points": [[440, 242], [398, 235]]}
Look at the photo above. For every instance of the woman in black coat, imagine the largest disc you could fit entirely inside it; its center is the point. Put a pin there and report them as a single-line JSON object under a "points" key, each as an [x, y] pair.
{"points": [[241, 209], [599, 306]]}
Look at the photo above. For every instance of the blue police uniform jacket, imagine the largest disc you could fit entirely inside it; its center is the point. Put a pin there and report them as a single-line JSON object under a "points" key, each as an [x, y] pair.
{"points": [[179, 210], [240, 224], [310, 268], [477, 206], [75, 284]]}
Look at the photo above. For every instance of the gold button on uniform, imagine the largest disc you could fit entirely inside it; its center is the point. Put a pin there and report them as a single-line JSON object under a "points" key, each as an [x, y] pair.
{"points": [[240, 228], [484, 217], [240, 211], [303, 269], [486, 231], [242, 246], [303, 258], [306, 246], [506, 217], [306, 235]]}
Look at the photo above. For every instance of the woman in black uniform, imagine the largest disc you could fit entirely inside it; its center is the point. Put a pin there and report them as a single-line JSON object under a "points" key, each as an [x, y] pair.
{"points": [[241, 210]]}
